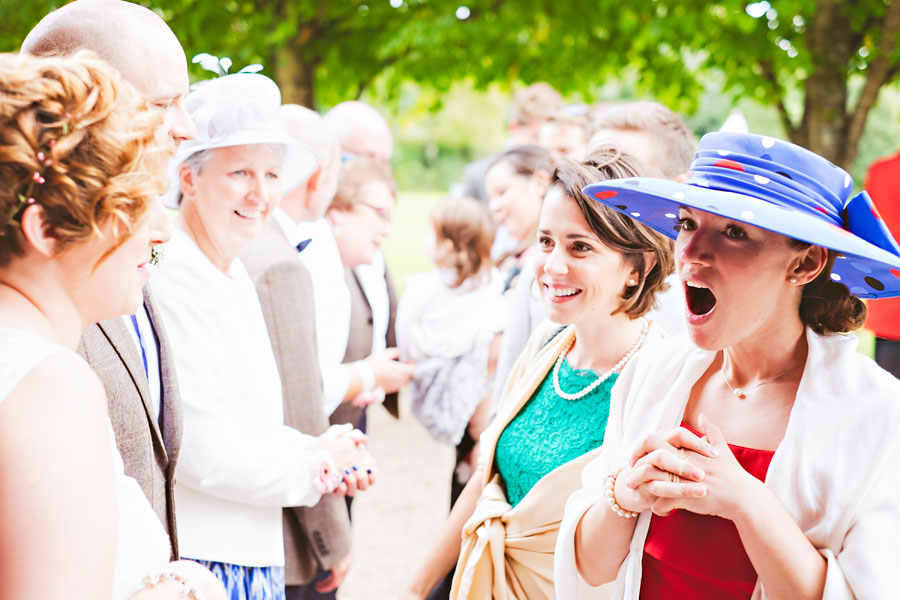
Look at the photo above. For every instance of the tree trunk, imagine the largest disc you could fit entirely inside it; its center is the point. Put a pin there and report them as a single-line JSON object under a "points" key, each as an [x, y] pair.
{"points": [[824, 127], [295, 77]]}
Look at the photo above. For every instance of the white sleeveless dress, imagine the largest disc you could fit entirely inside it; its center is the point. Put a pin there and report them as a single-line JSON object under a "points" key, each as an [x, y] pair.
{"points": [[143, 546]]}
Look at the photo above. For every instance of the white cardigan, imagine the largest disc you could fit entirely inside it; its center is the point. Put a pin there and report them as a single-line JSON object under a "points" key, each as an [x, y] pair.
{"points": [[837, 470], [239, 464]]}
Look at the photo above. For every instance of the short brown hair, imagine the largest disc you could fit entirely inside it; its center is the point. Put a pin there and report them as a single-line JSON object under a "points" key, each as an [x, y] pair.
{"points": [[675, 144], [526, 159], [534, 103], [464, 233], [87, 136], [355, 173], [615, 230]]}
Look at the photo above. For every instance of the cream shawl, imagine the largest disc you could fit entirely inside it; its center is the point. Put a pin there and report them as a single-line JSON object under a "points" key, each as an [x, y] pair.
{"points": [[507, 552]]}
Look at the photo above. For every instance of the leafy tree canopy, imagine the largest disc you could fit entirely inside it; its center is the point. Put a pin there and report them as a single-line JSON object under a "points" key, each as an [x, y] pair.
{"points": [[820, 63]]}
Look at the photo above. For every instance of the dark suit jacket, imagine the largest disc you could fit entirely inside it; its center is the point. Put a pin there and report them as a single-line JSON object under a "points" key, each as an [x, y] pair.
{"points": [[317, 536], [149, 453]]}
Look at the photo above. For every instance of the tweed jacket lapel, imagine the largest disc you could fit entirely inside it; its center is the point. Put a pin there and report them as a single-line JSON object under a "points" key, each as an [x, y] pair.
{"points": [[170, 400], [120, 339]]}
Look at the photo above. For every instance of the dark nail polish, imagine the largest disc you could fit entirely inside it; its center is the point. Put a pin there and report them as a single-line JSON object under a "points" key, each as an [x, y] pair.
{"points": [[347, 471], [369, 471], [355, 468]]}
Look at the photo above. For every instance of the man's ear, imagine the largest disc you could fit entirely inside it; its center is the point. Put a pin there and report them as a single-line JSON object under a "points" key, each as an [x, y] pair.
{"points": [[312, 184], [37, 231], [809, 264]]}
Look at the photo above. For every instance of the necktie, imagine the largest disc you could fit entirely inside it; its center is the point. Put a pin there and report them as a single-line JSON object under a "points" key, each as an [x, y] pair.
{"points": [[141, 344], [302, 245]]}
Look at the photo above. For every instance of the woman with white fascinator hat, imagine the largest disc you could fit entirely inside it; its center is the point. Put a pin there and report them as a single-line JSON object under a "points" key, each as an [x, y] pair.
{"points": [[761, 460], [239, 464]]}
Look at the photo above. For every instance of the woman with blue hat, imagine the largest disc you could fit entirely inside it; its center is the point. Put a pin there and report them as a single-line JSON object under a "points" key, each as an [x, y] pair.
{"points": [[239, 463], [761, 460]]}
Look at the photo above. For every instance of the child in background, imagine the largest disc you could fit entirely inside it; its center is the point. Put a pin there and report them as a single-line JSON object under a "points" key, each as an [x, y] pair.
{"points": [[449, 322]]}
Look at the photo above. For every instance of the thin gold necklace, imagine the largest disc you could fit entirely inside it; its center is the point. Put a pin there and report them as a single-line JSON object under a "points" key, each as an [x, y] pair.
{"points": [[741, 393]]}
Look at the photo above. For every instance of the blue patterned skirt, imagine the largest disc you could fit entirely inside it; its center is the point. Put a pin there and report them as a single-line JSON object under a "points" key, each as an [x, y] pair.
{"points": [[248, 583]]}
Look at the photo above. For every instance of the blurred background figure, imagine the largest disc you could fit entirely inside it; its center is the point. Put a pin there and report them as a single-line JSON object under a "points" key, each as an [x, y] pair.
{"points": [[516, 182], [360, 219], [566, 131], [449, 323], [883, 184], [362, 132], [531, 107]]}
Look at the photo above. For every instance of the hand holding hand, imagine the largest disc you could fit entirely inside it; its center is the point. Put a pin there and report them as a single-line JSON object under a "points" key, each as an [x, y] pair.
{"points": [[727, 484], [390, 373], [352, 467], [656, 470]]}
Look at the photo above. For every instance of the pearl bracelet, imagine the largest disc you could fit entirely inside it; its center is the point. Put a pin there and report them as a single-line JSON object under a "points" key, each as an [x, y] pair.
{"points": [[609, 487], [185, 588]]}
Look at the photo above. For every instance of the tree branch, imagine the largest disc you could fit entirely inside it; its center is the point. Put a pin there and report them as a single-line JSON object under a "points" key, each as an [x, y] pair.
{"points": [[880, 71], [769, 75]]}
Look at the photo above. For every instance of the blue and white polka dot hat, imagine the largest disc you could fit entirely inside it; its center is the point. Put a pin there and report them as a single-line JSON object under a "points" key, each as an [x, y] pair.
{"points": [[777, 186]]}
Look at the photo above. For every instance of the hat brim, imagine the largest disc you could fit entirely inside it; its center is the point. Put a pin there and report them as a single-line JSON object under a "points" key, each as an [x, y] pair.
{"points": [[867, 270], [299, 160]]}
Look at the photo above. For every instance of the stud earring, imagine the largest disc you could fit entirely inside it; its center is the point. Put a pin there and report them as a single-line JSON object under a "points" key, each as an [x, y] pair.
{"points": [[793, 280], [632, 282]]}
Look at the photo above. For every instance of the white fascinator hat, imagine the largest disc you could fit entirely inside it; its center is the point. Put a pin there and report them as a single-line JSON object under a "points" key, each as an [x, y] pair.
{"points": [[237, 110]]}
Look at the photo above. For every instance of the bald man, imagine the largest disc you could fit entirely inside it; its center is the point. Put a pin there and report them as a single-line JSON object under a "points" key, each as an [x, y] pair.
{"points": [[316, 539], [361, 131], [131, 354]]}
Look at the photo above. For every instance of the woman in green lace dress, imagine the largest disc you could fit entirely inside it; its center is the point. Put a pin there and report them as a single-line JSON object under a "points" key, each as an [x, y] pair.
{"points": [[597, 274]]}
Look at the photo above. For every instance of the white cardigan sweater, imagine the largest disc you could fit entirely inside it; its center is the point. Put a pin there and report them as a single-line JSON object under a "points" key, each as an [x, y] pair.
{"points": [[239, 464], [837, 470]]}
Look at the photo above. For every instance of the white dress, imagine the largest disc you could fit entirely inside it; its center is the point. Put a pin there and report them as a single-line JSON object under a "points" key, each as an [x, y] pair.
{"points": [[143, 546]]}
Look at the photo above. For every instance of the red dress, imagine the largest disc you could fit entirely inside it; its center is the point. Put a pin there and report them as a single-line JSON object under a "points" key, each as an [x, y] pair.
{"points": [[687, 555]]}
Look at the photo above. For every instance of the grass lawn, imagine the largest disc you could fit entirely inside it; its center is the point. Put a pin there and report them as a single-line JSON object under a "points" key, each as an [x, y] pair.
{"points": [[403, 250]]}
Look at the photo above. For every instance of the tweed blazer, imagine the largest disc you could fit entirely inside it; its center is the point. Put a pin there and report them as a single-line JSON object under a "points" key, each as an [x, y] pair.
{"points": [[317, 536], [148, 452]]}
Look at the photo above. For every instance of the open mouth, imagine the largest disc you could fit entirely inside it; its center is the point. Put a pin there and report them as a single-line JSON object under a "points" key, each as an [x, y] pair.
{"points": [[700, 299]]}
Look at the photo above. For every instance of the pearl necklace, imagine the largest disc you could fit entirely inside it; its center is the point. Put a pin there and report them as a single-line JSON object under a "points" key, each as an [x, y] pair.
{"points": [[616, 368]]}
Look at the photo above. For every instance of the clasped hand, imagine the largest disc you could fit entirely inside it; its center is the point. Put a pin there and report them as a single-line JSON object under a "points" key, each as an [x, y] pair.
{"points": [[349, 466], [677, 469]]}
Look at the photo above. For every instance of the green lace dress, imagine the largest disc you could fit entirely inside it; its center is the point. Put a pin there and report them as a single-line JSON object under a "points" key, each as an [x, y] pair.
{"points": [[550, 431]]}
